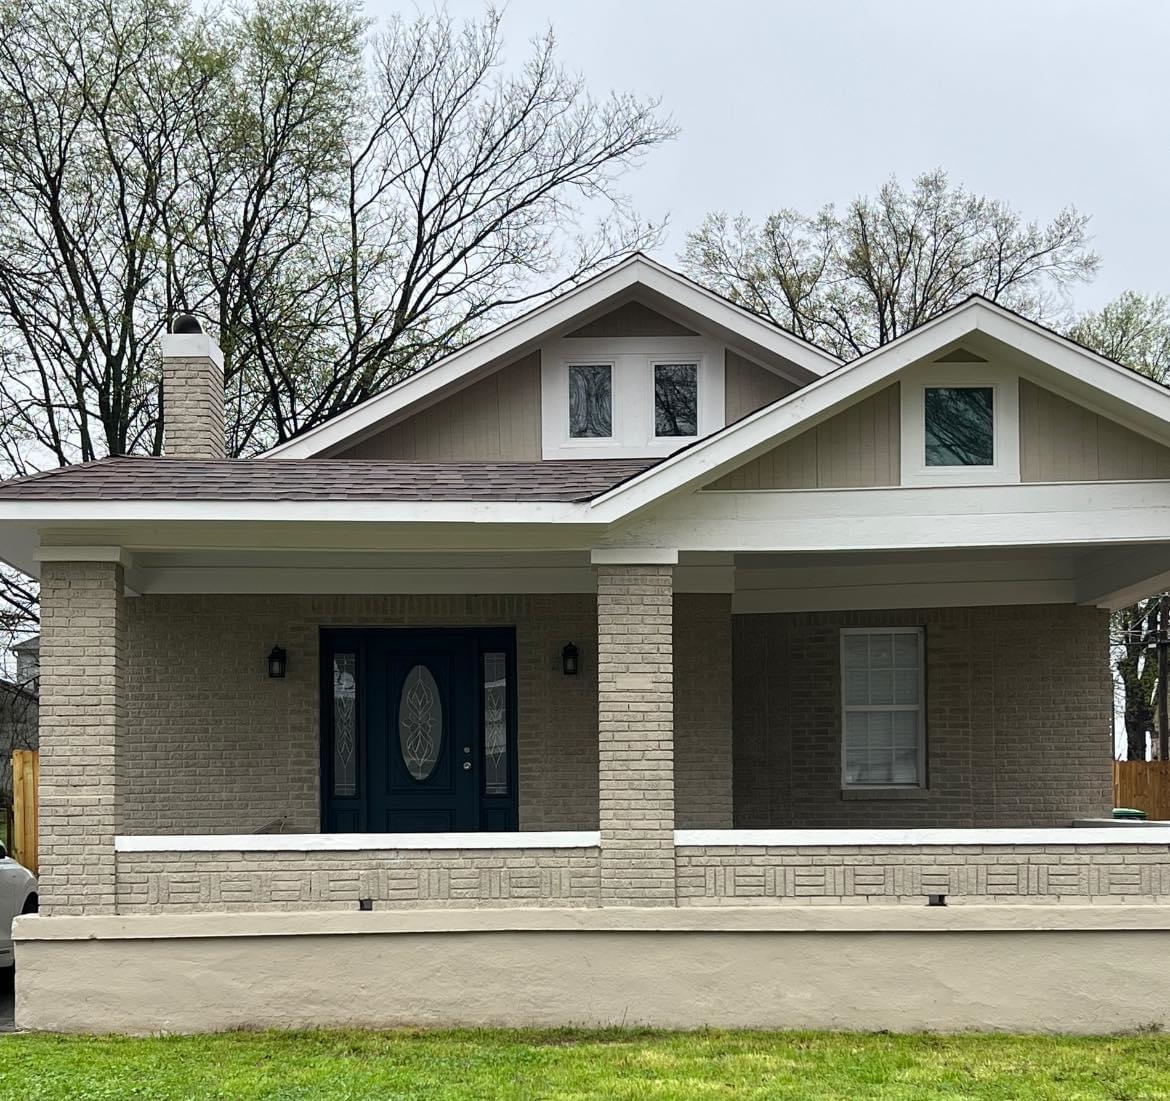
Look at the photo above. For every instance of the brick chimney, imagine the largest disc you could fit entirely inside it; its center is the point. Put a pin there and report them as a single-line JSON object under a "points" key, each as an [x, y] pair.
{"points": [[192, 392]]}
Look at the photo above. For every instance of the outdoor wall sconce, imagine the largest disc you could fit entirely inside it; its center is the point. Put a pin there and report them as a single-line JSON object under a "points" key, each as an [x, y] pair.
{"points": [[569, 664], [277, 663]]}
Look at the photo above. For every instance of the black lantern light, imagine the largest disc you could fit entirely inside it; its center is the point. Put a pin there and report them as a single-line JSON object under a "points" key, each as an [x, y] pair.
{"points": [[569, 664], [277, 663]]}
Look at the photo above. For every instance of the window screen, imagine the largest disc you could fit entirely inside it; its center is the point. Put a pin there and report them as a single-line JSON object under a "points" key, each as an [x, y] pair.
{"points": [[882, 694]]}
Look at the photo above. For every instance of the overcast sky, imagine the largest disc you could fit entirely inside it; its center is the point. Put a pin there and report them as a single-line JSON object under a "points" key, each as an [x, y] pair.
{"points": [[786, 103]]}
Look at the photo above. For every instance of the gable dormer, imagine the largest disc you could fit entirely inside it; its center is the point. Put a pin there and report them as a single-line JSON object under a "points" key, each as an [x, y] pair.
{"points": [[637, 363]]}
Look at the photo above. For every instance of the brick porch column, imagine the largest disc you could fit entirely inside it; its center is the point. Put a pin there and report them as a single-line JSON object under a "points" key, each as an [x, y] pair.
{"points": [[635, 704], [83, 634]]}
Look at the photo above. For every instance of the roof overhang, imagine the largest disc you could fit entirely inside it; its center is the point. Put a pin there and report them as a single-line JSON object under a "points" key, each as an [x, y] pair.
{"points": [[637, 277]]}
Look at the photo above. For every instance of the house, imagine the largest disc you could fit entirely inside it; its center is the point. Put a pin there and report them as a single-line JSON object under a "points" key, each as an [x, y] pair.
{"points": [[638, 662]]}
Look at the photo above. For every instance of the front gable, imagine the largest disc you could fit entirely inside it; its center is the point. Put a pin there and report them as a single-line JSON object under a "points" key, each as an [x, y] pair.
{"points": [[880, 440], [1052, 411], [631, 324]]}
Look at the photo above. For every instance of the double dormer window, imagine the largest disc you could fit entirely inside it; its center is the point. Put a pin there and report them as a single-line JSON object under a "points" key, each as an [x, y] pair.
{"points": [[591, 394]]}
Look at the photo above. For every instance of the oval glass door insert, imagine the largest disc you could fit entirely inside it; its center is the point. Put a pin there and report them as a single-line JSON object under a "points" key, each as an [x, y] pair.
{"points": [[420, 722]]}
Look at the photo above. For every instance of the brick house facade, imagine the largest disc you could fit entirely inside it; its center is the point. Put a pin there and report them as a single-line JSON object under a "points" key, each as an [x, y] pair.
{"points": [[449, 669]]}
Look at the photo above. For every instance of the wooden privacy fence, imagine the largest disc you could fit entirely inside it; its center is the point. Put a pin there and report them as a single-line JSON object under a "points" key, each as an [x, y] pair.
{"points": [[1144, 785], [26, 775]]}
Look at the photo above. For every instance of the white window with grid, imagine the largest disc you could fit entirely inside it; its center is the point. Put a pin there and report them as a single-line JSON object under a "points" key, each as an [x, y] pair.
{"points": [[882, 707]]}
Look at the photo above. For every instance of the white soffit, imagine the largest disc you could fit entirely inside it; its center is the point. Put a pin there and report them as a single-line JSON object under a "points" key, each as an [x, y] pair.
{"points": [[519, 336]]}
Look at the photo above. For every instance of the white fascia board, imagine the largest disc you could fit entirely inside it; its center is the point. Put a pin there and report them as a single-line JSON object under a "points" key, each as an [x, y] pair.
{"points": [[527, 330], [742, 441], [509, 513]]}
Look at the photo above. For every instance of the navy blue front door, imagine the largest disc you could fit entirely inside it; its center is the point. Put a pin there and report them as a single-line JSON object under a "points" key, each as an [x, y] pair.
{"points": [[418, 730]]}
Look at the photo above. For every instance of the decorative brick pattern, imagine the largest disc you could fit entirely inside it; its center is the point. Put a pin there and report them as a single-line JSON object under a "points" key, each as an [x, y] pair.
{"points": [[192, 882], [193, 420], [635, 691], [712, 876], [1018, 719], [82, 729]]}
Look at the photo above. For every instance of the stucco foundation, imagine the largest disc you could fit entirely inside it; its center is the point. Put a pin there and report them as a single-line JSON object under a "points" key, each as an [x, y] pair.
{"points": [[871, 968]]}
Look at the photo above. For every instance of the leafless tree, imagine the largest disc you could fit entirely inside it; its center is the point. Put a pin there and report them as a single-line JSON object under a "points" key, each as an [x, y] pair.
{"points": [[853, 280], [343, 205]]}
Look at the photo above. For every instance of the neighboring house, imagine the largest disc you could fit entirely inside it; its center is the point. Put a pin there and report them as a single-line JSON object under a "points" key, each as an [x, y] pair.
{"points": [[637, 662], [18, 714]]}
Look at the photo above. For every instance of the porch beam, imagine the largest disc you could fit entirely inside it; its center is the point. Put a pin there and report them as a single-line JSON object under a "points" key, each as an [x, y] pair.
{"points": [[635, 697], [82, 726], [1102, 514]]}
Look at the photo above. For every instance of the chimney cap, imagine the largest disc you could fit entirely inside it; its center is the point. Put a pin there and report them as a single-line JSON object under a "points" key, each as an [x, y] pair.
{"points": [[186, 324]]}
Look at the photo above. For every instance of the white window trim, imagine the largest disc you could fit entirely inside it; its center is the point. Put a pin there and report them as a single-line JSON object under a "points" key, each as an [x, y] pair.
{"points": [[1004, 384], [655, 362], [631, 362], [920, 633]]}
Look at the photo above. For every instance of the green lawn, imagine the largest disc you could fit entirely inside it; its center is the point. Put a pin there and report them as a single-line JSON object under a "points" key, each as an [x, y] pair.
{"points": [[477, 1066]]}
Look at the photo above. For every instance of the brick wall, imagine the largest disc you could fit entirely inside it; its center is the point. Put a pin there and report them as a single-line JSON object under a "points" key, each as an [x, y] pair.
{"points": [[191, 882], [83, 726], [214, 746], [1018, 719], [702, 711], [193, 419], [635, 675], [1003, 874]]}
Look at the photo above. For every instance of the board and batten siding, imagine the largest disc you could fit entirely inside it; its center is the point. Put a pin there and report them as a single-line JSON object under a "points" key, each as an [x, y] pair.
{"points": [[632, 319], [860, 446], [1061, 441], [497, 418], [747, 387]]}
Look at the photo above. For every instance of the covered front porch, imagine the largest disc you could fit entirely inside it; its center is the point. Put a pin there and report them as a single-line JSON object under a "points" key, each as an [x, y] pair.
{"points": [[671, 731]]}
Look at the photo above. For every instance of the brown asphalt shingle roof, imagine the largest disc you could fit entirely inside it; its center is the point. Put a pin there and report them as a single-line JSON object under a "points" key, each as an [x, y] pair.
{"points": [[163, 479]]}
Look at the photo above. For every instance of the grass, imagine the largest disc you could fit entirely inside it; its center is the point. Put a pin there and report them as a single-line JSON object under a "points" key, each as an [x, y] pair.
{"points": [[564, 1065]]}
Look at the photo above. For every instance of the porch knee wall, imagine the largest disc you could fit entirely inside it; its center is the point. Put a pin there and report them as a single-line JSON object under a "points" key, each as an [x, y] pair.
{"points": [[635, 702], [82, 722]]}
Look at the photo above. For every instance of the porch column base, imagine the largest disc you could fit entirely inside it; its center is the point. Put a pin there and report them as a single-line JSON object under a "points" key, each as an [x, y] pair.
{"points": [[635, 693]]}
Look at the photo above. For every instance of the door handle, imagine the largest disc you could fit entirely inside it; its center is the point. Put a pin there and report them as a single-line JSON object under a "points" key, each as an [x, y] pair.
{"points": [[466, 766]]}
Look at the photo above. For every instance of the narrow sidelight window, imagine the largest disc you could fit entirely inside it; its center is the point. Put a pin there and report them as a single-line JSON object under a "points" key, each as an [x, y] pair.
{"points": [[590, 401], [676, 399], [882, 706], [345, 724], [959, 426], [495, 723]]}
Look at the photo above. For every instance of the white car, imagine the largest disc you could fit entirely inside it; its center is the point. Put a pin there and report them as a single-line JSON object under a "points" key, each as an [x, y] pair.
{"points": [[18, 895]]}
